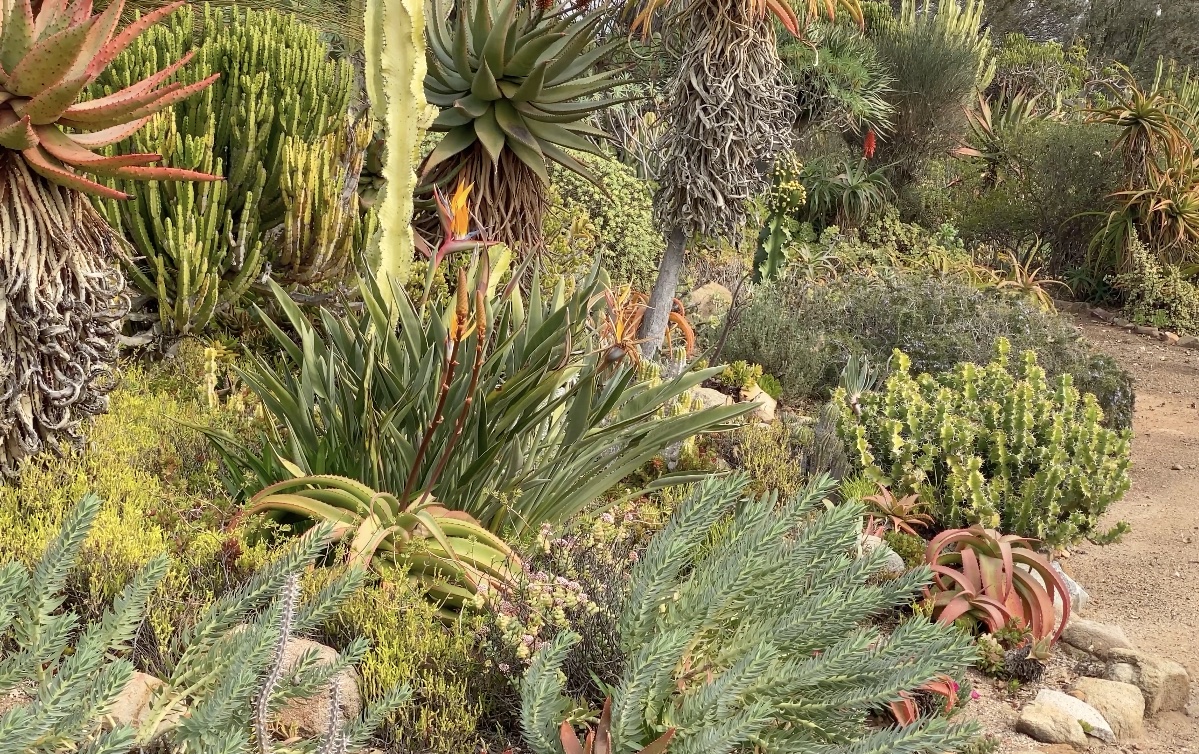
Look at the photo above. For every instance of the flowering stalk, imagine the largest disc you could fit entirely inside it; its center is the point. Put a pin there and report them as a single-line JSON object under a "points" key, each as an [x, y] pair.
{"points": [[457, 327]]}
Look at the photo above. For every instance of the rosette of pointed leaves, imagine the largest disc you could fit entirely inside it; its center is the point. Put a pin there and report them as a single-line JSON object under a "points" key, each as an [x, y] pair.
{"points": [[46, 62], [445, 554], [515, 85]]}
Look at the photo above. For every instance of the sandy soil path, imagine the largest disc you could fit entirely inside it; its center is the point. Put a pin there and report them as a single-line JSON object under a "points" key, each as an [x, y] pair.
{"points": [[1149, 582]]}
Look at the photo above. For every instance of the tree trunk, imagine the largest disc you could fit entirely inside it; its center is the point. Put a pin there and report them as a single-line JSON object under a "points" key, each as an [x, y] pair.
{"points": [[657, 315], [62, 299]]}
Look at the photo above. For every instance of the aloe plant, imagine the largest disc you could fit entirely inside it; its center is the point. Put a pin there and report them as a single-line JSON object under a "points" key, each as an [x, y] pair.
{"points": [[445, 554], [992, 578]]}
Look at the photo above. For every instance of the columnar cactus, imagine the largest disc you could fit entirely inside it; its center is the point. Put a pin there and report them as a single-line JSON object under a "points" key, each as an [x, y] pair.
{"points": [[276, 126]]}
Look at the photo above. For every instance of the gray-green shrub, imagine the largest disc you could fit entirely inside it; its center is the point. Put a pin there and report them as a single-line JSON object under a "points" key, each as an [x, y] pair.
{"points": [[223, 676], [804, 333]]}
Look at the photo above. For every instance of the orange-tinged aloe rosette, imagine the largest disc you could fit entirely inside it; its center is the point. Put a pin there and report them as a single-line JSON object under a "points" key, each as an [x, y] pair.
{"points": [[47, 59]]}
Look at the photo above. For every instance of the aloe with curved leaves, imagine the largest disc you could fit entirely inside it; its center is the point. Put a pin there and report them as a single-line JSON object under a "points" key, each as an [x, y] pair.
{"points": [[516, 84], [993, 578], [445, 554], [505, 409]]}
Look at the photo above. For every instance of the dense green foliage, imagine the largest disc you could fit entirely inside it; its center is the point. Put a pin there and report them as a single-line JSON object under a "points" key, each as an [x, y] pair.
{"points": [[512, 418], [1055, 173], [275, 126], [804, 334], [1157, 293], [760, 636], [162, 491], [996, 445], [938, 59], [619, 213]]}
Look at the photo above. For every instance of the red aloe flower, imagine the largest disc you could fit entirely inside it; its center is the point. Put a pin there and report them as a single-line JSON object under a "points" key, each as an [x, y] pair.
{"points": [[869, 145]]}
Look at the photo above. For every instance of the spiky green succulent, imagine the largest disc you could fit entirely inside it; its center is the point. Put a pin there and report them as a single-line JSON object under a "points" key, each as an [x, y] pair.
{"points": [[46, 61], [516, 78]]}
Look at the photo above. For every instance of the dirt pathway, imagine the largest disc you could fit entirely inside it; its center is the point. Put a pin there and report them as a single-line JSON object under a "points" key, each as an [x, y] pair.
{"points": [[1148, 583]]}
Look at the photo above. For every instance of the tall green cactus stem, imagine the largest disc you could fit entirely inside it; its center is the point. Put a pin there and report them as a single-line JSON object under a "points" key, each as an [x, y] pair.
{"points": [[275, 126], [787, 195], [395, 75]]}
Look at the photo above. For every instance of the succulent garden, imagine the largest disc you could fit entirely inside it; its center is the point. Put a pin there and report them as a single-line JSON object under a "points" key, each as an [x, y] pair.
{"points": [[556, 377]]}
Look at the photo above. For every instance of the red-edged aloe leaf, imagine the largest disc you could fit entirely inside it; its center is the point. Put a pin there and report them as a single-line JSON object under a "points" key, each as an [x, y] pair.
{"points": [[119, 108], [370, 535], [959, 579], [944, 686], [971, 569], [43, 164], [18, 35], [995, 580], [1036, 605], [49, 61], [359, 490], [304, 506], [995, 614], [16, 133], [603, 731], [904, 710], [105, 24], [136, 173], [109, 136], [131, 32], [67, 151], [660, 743], [51, 18], [570, 740], [786, 15], [80, 10], [48, 106], [956, 608]]}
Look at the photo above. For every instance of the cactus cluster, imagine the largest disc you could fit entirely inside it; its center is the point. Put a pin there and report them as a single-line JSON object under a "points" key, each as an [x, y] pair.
{"points": [[276, 127], [991, 445]]}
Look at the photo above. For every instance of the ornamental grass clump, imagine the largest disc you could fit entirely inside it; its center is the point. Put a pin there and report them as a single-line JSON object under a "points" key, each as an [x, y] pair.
{"points": [[992, 445]]}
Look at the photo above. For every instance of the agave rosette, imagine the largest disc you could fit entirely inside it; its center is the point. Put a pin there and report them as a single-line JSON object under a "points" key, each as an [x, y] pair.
{"points": [[47, 60], [445, 553], [992, 577], [515, 78]]}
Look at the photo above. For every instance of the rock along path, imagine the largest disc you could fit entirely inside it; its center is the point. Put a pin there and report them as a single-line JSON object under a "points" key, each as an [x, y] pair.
{"points": [[1148, 583]]}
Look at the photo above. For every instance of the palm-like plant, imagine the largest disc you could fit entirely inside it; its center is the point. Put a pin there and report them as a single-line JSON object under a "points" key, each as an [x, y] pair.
{"points": [[1022, 278], [990, 124], [846, 193], [515, 87], [727, 114], [61, 295], [1150, 133], [901, 515]]}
